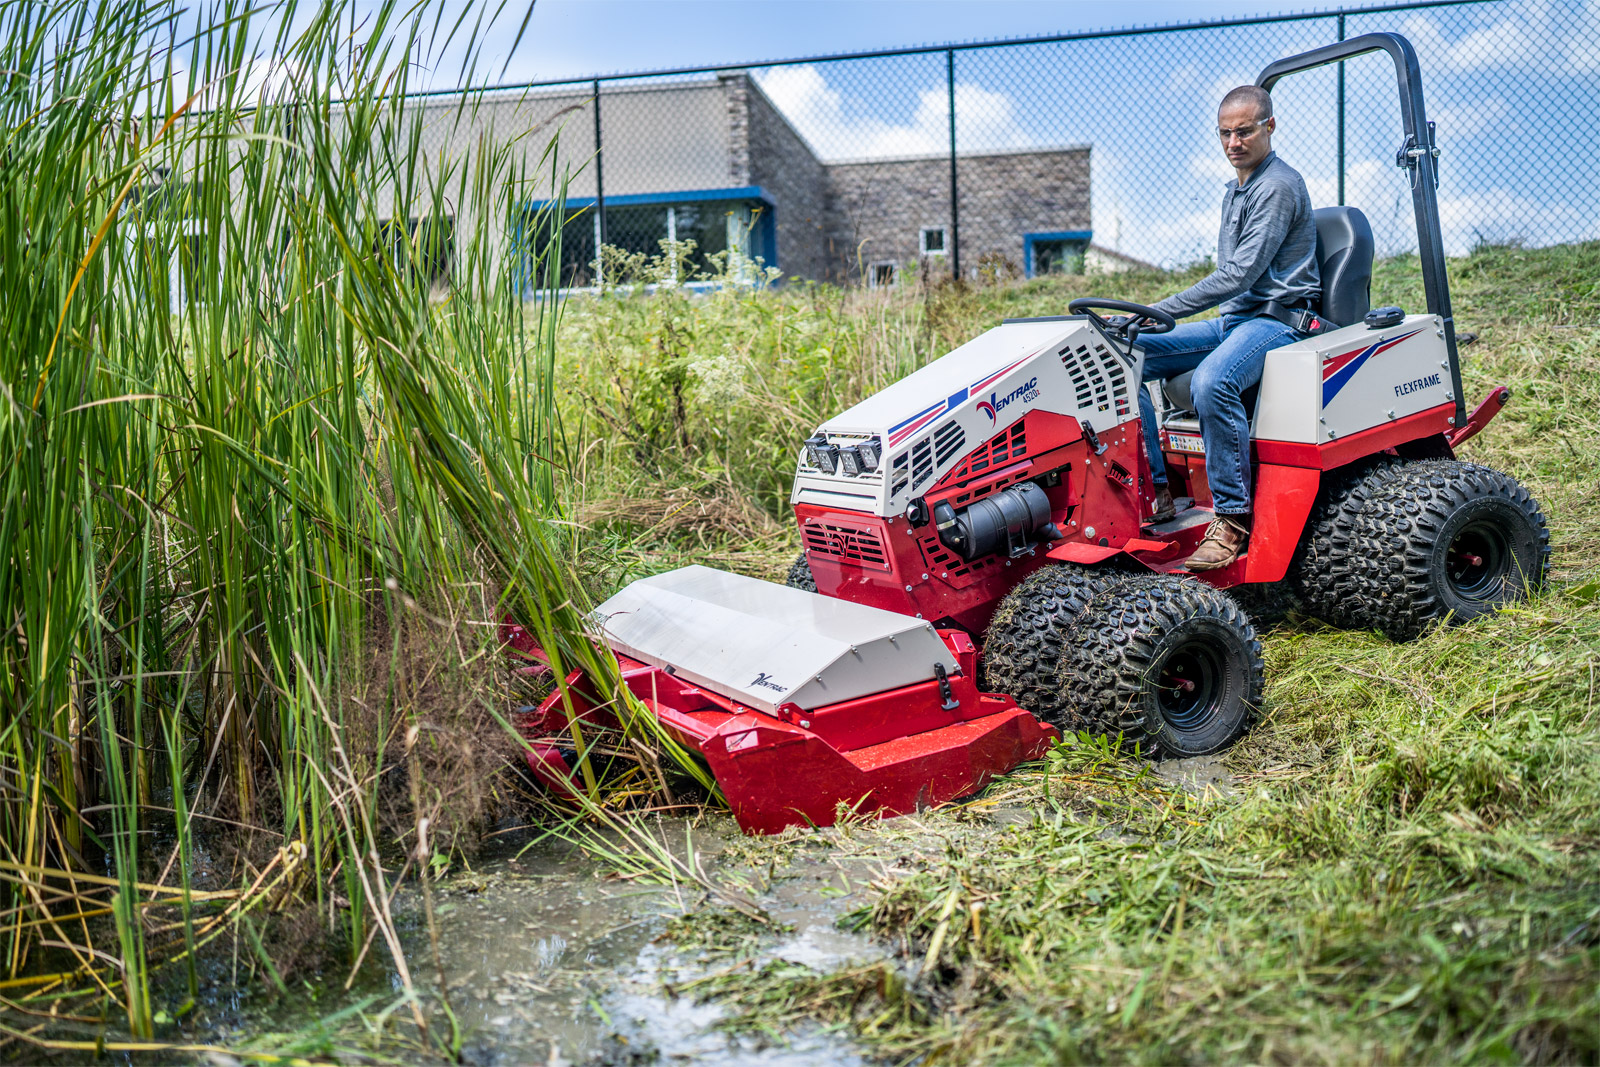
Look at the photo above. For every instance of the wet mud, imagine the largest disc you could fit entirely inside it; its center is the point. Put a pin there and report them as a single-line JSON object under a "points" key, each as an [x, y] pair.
{"points": [[549, 957]]}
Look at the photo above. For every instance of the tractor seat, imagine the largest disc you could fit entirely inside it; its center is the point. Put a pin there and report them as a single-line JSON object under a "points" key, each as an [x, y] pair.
{"points": [[1344, 258]]}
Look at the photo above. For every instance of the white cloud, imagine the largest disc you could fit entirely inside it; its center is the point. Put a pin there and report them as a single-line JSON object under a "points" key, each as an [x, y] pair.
{"points": [[1467, 120], [1212, 166], [1499, 214], [1566, 33], [985, 120]]}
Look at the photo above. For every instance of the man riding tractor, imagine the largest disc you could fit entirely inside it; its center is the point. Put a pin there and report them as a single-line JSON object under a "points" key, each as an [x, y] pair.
{"points": [[1267, 283]]}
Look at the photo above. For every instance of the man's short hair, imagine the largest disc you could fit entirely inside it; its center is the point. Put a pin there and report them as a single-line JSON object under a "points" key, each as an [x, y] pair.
{"points": [[1249, 94]]}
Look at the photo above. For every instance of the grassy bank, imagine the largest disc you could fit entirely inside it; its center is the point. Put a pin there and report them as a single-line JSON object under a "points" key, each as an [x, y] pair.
{"points": [[1407, 866]]}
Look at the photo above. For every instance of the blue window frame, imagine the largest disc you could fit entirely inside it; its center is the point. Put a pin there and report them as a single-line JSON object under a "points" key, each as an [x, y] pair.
{"points": [[639, 222], [1058, 252]]}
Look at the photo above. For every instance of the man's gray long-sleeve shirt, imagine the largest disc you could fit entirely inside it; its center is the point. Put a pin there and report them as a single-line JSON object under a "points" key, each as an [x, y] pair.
{"points": [[1266, 249]]}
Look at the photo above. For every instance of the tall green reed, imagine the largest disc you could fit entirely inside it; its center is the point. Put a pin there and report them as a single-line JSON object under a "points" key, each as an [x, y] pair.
{"points": [[237, 421]]}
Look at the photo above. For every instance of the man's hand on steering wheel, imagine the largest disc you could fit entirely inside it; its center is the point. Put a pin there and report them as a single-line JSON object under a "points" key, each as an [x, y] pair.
{"points": [[1134, 320]]}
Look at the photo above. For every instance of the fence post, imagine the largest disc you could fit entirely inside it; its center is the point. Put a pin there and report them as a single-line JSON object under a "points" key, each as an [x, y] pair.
{"points": [[1341, 115], [599, 178], [955, 201]]}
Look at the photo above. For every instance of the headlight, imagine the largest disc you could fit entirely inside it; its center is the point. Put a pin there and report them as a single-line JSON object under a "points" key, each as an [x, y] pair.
{"points": [[870, 454], [849, 461], [822, 455]]}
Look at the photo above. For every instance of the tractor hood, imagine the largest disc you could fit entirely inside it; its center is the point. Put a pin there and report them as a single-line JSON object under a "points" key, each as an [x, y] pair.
{"points": [[924, 425]]}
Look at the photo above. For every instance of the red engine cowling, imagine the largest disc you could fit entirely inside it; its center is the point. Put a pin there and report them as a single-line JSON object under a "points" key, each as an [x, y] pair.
{"points": [[1096, 499]]}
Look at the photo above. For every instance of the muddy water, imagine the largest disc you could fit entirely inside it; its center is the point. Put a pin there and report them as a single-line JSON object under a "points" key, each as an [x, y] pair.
{"points": [[549, 960], [1198, 774]]}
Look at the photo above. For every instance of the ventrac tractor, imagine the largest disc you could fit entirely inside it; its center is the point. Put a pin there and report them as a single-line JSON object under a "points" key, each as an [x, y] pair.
{"points": [[981, 570]]}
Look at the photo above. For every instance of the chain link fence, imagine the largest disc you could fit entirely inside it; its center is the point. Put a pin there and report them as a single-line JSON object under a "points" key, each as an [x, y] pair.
{"points": [[1092, 151]]}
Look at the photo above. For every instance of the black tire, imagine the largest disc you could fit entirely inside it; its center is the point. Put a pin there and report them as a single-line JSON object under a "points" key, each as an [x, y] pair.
{"points": [[1324, 573], [1442, 539], [800, 575], [1267, 603], [1171, 664], [1025, 638]]}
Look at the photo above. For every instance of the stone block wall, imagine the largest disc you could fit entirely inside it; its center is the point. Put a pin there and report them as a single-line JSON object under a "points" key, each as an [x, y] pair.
{"points": [[765, 150], [881, 206]]}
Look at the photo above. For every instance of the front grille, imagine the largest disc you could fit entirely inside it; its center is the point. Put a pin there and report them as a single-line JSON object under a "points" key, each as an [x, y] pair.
{"points": [[862, 546], [1099, 378], [902, 473], [947, 441], [1004, 447], [921, 463]]}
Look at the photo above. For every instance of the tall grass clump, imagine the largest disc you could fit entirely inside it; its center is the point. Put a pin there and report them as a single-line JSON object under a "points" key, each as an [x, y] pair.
{"points": [[267, 489]]}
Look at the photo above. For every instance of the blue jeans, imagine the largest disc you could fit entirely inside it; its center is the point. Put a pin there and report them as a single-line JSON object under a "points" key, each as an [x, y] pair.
{"points": [[1230, 354]]}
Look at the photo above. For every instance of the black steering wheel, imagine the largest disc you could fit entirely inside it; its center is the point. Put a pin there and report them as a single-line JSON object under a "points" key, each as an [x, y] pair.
{"points": [[1130, 328]]}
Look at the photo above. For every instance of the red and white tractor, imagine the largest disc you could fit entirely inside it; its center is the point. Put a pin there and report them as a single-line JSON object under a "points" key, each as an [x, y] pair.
{"points": [[980, 570]]}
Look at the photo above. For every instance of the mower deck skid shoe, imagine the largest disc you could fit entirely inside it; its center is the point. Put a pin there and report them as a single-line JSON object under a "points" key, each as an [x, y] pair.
{"points": [[800, 703]]}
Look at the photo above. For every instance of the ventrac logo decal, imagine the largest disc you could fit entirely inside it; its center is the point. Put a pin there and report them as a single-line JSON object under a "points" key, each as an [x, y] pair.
{"points": [[1027, 391], [764, 680], [990, 407], [1337, 372]]}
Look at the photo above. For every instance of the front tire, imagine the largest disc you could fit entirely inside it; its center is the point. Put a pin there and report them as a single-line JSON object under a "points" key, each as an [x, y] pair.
{"points": [[1171, 664], [1026, 637], [800, 576], [1442, 539]]}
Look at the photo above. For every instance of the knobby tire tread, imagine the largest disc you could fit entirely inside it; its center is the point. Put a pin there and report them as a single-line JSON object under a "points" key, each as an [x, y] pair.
{"points": [[1401, 586], [1024, 638], [1324, 574], [1120, 639], [800, 576]]}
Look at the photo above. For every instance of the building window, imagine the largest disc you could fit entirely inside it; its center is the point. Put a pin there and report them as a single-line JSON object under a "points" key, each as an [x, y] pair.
{"points": [[881, 275], [1054, 253], [933, 241], [647, 226]]}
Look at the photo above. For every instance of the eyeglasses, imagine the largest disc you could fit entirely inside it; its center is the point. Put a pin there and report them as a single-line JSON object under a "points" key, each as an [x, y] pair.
{"points": [[1244, 133]]}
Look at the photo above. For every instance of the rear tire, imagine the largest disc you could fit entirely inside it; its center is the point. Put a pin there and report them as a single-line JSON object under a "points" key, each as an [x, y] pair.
{"points": [[800, 576], [1325, 572], [1170, 664], [1267, 603], [1444, 539], [1025, 638]]}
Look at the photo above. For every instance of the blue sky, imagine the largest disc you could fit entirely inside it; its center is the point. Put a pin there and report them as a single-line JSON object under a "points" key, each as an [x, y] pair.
{"points": [[571, 38]]}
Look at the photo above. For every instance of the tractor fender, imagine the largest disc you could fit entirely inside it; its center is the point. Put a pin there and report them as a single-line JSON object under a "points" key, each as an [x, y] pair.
{"points": [[1140, 550], [1283, 500], [1283, 495]]}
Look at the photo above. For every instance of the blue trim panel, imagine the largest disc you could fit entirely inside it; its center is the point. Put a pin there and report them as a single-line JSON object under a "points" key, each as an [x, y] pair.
{"points": [[1056, 235], [768, 224], [743, 192]]}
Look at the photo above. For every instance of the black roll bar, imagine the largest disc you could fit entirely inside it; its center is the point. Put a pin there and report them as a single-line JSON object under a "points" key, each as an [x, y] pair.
{"points": [[1419, 154]]}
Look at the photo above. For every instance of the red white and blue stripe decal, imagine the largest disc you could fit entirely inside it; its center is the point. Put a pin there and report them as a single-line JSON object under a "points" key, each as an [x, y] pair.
{"points": [[922, 418], [1337, 372]]}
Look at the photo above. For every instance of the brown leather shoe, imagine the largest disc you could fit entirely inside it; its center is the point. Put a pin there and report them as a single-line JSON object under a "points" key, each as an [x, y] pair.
{"points": [[1225, 539], [1166, 510]]}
